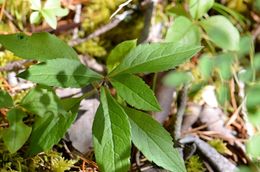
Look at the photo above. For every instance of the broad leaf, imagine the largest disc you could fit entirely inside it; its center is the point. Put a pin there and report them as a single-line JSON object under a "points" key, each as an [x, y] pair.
{"points": [[61, 73], [155, 57], [35, 17], [222, 32], [70, 103], [50, 17], [42, 100], [223, 94], [49, 129], [6, 100], [17, 133], [252, 146], [245, 45], [118, 53], [253, 101], [111, 136], [176, 79], [200, 7], [154, 141], [206, 66], [183, 32], [246, 75], [223, 63], [135, 92], [40, 46], [35, 4], [257, 61], [52, 4]]}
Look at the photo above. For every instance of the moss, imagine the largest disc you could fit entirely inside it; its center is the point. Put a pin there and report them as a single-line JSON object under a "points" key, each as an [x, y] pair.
{"points": [[93, 48], [194, 164], [219, 145], [98, 12], [19, 9]]}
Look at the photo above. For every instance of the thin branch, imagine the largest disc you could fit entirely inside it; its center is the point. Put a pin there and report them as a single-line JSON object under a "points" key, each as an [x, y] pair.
{"points": [[118, 19], [121, 6], [182, 102], [150, 6], [217, 160], [77, 20], [16, 65]]}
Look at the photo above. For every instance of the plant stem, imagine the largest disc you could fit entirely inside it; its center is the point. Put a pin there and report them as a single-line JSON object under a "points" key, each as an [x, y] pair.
{"points": [[182, 102]]}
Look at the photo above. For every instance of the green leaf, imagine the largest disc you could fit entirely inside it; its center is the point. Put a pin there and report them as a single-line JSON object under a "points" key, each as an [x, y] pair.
{"points": [[52, 4], [154, 57], [245, 45], [40, 46], [224, 63], [17, 133], [61, 73], [246, 75], [183, 32], [176, 10], [135, 92], [49, 129], [198, 8], [35, 17], [253, 101], [35, 4], [119, 52], [70, 103], [154, 141], [42, 100], [111, 135], [176, 79], [252, 146], [256, 5], [50, 17], [6, 100], [222, 32], [61, 12], [257, 61], [223, 94], [206, 66]]}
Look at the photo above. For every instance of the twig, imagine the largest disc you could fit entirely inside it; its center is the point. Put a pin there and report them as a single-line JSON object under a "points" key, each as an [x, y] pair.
{"points": [[16, 65], [147, 21], [256, 32], [220, 163], [242, 95], [103, 29], [182, 102], [121, 6], [76, 20]]}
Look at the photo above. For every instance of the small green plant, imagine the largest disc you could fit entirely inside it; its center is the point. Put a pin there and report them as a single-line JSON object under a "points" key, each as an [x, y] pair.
{"points": [[116, 124], [50, 11]]}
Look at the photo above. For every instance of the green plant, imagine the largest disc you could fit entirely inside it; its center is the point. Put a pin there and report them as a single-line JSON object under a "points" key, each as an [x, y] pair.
{"points": [[115, 125], [50, 11]]}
